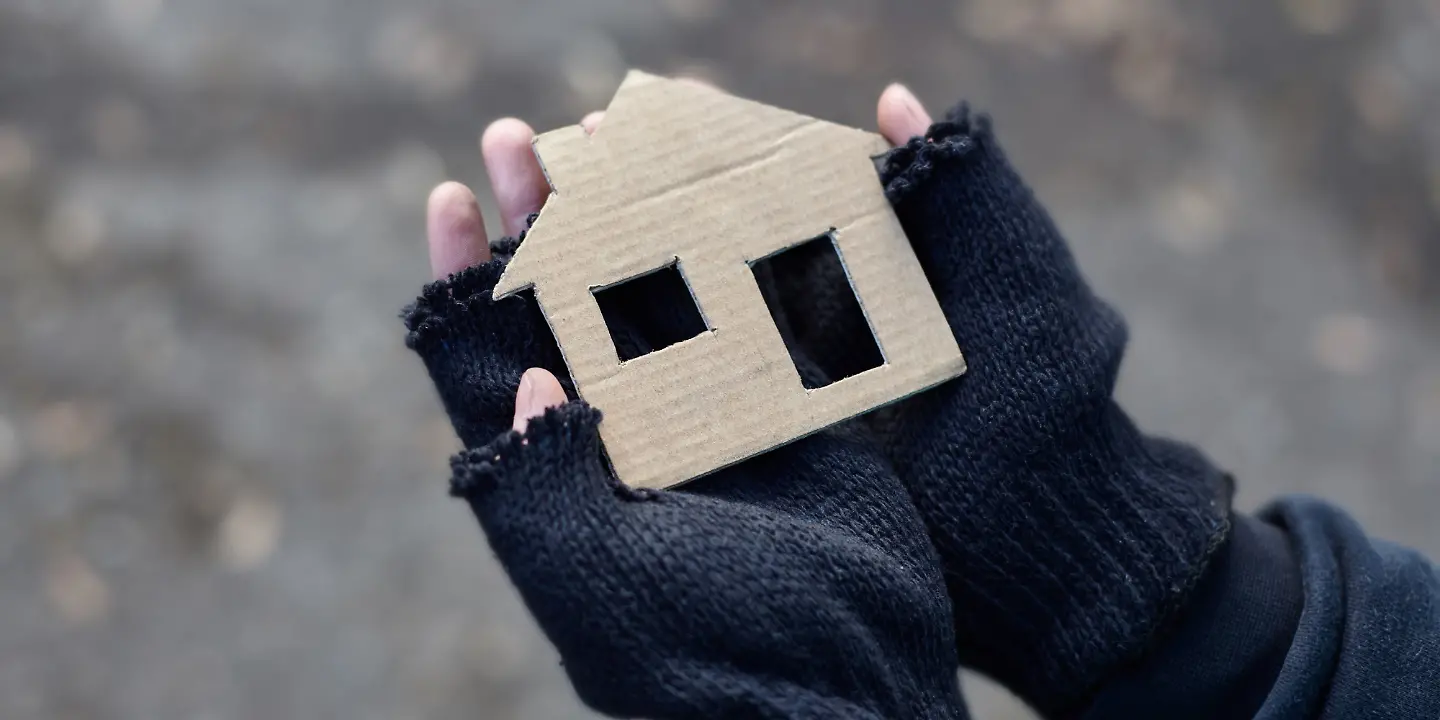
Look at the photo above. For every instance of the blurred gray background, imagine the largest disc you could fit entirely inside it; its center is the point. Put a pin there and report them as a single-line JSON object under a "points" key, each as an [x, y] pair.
{"points": [[222, 476]]}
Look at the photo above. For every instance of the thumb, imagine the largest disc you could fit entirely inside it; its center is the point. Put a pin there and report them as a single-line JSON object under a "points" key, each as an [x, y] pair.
{"points": [[547, 470], [901, 115], [539, 391]]}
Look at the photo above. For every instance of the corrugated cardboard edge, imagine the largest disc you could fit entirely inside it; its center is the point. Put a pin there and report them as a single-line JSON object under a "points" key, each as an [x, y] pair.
{"points": [[731, 393]]}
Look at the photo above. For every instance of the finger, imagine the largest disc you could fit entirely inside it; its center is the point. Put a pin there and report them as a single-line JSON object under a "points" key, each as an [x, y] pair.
{"points": [[454, 229], [520, 185], [592, 121], [901, 115], [539, 391]]}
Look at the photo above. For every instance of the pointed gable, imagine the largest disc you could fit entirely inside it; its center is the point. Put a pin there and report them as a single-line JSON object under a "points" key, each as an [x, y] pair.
{"points": [[661, 138]]}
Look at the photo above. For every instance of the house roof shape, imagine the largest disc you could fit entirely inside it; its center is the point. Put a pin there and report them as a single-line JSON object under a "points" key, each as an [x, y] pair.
{"points": [[667, 142], [682, 173]]}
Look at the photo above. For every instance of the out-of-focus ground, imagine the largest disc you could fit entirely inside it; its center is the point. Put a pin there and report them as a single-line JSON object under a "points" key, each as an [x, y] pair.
{"points": [[222, 476]]}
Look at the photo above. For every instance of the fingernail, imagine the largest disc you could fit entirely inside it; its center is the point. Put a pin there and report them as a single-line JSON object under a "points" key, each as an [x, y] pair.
{"points": [[524, 403], [908, 99]]}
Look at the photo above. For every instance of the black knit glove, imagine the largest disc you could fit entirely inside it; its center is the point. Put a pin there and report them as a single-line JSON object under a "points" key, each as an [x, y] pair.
{"points": [[1067, 537], [800, 584]]}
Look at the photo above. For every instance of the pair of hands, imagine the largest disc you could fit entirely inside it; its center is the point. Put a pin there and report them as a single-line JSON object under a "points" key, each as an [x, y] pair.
{"points": [[1013, 520]]}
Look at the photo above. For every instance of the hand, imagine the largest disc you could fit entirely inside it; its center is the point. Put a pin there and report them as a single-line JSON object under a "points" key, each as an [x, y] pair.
{"points": [[797, 584], [1068, 539]]}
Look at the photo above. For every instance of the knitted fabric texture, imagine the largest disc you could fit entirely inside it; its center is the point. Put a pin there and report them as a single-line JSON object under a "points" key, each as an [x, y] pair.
{"points": [[476, 349], [800, 584], [1068, 539]]}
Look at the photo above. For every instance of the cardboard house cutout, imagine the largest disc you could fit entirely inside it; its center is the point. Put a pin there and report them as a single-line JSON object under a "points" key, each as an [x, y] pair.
{"points": [[684, 177]]}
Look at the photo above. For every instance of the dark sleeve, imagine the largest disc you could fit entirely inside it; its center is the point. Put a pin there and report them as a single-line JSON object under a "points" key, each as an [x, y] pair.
{"points": [[1301, 616]]}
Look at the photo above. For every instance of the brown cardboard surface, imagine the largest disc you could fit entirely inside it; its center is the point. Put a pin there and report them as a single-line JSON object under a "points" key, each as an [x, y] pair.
{"points": [[682, 172]]}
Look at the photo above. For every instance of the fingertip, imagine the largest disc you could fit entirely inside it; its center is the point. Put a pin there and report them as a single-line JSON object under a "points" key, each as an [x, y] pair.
{"points": [[504, 134], [449, 193], [455, 229], [592, 121], [901, 115], [539, 391], [519, 184]]}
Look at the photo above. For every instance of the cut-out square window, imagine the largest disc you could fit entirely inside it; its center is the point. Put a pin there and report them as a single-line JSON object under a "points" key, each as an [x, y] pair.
{"points": [[650, 312], [819, 315]]}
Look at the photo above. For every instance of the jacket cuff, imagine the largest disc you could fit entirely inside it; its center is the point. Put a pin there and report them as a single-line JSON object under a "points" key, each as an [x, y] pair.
{"points": [[1229, 644]]}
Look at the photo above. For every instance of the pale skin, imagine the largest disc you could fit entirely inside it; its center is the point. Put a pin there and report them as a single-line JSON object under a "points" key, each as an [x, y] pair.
{"points": [[455, 228]]}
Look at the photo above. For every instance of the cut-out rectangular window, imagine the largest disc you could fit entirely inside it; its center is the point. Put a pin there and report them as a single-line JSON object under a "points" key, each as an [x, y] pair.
{"points": [[650, 312], [819, 315]]}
